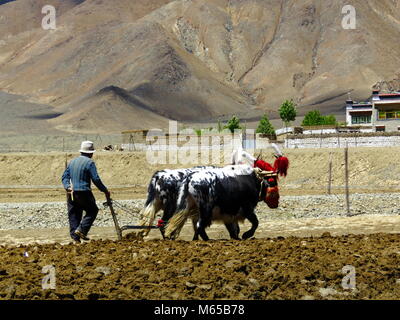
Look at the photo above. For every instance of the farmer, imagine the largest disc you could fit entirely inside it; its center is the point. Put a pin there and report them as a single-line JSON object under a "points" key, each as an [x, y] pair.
{"points": [[76, 180]]}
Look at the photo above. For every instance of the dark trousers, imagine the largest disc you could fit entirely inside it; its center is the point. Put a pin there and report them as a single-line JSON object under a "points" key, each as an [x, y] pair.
{"points": [[82, 201]]}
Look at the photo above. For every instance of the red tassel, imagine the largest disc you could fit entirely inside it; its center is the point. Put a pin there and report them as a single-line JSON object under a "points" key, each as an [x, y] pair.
{"points": [[160, 223], [281, 165], [263, 165], [272, 197]]}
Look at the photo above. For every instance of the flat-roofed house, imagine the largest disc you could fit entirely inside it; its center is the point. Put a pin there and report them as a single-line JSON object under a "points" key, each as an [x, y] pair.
{"points": [[359, 114], [386, 111], [382, 113]]}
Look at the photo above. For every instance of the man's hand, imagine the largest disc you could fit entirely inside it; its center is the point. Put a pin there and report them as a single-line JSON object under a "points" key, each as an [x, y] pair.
{"points": [[108, 195], [70, 193]]}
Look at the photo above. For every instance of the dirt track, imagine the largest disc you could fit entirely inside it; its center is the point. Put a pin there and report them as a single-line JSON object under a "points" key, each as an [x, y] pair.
{"points": [[311, 227]]}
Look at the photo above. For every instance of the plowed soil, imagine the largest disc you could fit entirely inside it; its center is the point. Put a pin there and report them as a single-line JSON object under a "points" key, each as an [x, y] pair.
{"points": [[279, 268]]}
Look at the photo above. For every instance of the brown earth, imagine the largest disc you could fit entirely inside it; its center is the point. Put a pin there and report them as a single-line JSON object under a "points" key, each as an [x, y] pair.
{"points": [[307, 264], [268, 228], [37, 176], [281, 268]]}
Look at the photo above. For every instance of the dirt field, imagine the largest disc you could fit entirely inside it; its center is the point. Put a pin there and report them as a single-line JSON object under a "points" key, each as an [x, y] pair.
{"points": [[296, 258], [291, 268]]}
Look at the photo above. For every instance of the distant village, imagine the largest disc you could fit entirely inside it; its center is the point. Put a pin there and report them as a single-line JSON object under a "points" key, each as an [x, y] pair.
{"points": [[381, 113]]}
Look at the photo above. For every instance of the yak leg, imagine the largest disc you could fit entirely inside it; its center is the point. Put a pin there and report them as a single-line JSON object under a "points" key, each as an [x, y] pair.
{"points": [[196, 233], [200, 230], [195, 220], [203, 221], [169, 210], [233, 229], [251, 216]]}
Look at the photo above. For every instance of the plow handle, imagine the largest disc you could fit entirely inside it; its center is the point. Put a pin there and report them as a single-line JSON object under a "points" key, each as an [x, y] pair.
{"points": [[117, 228]]}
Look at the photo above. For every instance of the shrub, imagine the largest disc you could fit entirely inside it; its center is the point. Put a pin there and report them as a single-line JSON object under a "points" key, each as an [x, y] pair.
{"points": [[314, 118], [233, 124], [287, 111], [265, 127]]}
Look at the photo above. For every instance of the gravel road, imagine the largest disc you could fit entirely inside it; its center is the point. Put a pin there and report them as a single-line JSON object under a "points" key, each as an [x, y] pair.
{"points": [[53, 214]]}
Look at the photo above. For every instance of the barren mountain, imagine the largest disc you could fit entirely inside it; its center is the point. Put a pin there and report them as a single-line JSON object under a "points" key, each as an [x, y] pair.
{"points": [[114, 65]]}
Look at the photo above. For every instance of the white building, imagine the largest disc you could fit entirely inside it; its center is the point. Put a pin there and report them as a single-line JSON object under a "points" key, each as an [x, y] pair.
{"points": [[382, 113]]}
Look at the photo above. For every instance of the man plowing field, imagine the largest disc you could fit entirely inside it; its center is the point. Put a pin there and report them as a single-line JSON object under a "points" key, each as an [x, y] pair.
{"points": [[76, 180]]}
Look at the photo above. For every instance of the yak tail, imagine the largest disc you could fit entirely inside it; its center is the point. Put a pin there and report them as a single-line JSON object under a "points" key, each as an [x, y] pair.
{"points": [[151, 189], [176, 223], [148, 214], [281, 165]]}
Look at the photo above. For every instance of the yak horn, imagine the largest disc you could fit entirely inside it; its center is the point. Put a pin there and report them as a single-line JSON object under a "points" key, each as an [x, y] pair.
{"points": [[278, 152], [262, 174]]}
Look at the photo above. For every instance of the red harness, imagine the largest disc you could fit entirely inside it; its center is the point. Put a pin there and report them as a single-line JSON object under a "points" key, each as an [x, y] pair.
{"points": [[281, 166]]}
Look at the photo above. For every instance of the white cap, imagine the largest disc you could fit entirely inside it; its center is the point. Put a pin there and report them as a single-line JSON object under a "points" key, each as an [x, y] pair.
{"points": [[87, 147]]}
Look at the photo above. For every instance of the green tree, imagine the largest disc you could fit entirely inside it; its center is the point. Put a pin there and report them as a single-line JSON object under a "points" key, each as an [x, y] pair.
{"points": [[314, 118], [265, 127], [287, 111], [330, 120], [233, 124]]}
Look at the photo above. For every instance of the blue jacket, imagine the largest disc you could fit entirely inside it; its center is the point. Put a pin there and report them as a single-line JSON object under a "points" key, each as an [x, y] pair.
{"points": [[80, 172]]}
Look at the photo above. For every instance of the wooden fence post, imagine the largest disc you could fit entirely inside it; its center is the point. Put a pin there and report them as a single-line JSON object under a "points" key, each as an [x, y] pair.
{"points": [[346, 169], [330, 173]]}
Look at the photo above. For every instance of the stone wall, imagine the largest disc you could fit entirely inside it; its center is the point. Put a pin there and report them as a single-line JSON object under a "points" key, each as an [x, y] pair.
{"points": [[341, 142]]}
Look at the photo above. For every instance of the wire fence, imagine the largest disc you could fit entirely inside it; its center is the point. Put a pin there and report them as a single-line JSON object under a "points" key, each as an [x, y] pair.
{"points": [[71, 143], [342, 142], [61, 143]]}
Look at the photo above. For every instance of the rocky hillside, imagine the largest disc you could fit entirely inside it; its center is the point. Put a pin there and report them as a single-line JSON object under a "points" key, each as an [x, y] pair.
{"points": [[125, 64]]}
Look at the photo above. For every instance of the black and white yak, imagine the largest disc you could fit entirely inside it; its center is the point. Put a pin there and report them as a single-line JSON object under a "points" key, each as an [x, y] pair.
{"points": [[229, 194], [165, 184], [162, 194]]}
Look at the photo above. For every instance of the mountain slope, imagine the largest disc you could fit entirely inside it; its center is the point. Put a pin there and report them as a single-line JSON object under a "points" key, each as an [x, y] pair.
{"points": [[114, 109], [195, 61]]}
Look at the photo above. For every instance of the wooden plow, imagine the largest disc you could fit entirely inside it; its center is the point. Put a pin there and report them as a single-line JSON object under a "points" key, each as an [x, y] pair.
{"points": [[110, 204]]}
